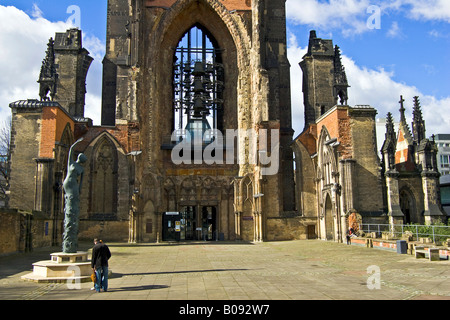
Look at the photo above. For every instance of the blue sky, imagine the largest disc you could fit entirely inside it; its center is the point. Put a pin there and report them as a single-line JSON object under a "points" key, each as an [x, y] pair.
{"points": [[407, 54]]}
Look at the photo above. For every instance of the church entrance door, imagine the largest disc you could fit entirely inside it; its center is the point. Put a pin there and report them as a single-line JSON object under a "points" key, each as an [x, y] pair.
{"points": [[192, 223]]}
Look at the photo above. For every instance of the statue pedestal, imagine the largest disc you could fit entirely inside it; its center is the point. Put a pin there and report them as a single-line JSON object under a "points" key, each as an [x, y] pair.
{"points": [[62, 267]]}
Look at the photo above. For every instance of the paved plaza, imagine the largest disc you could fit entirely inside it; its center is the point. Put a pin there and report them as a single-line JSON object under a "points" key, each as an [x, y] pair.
{"points": [[297, 270]]}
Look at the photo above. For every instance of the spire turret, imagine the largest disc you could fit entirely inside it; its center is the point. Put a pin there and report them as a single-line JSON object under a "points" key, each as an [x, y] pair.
{"points": [[48, 76]]}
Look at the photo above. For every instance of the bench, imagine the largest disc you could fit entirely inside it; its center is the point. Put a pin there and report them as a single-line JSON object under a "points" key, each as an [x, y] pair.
{"points": [[433, 253]]}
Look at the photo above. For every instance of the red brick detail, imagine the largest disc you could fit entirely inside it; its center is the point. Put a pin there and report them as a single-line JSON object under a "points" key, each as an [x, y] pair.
{"points": [[128, 136], [54, 121], [309, 139], [240, 5], [338, 125], [403, 159]]}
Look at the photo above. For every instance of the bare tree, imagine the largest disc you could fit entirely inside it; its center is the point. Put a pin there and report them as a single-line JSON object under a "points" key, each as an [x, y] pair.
{"points": [[5, 160]]}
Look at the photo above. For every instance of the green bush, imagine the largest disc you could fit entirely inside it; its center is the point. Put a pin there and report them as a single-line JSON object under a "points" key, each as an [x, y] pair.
{"points": [[441, 231]]}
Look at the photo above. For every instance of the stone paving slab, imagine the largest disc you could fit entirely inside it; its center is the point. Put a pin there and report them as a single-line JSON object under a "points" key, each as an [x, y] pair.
{"points": [[278, 271]]}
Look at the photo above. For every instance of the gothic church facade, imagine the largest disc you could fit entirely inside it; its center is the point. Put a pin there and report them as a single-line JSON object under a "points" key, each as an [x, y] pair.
{"points": [[177, 70]]}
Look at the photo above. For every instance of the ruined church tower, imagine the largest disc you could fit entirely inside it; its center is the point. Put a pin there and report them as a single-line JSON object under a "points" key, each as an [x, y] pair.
{"points": [[176, 66]]}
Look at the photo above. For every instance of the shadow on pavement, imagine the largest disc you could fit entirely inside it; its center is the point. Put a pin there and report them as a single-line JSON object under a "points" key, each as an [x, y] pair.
{"points": [[138, 288], [120, 275]]}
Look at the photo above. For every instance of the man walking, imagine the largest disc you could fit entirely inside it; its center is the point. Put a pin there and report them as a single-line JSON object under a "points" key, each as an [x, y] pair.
{"points": [[99, 263]]}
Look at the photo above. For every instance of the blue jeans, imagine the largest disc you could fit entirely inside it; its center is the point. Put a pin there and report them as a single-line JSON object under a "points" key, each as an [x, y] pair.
{"points": [[102, 279]]}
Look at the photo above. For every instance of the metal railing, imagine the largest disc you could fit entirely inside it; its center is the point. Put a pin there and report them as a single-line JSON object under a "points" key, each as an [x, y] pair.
{"points": [[434, 232]]}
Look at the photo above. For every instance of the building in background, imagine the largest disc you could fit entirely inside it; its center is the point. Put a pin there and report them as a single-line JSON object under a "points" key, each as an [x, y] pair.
{"points": [[443, 158]]}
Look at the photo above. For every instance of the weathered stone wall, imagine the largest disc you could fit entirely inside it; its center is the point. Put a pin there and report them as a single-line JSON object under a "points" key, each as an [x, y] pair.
{"points": [[109, 231], [318, 78], [10, 233], [281, 229], [72, 64], [306, 201], [23, 231], [25, 143], [368, 190]]}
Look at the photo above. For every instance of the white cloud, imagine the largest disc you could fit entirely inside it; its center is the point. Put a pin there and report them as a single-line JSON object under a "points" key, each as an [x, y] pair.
{"points": [[371, 87], [93, 107], [351, 17], [395, 31], [94, 79], [378, 89], [24, 41], [428, 9], [295, 55], [37, 12]]}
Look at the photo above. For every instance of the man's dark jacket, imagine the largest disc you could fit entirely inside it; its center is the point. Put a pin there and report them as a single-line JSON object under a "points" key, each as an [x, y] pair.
{"points": [[100, 255]]}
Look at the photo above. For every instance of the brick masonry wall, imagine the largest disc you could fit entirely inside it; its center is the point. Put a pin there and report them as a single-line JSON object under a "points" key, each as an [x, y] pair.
{"points": [[54, 121]]}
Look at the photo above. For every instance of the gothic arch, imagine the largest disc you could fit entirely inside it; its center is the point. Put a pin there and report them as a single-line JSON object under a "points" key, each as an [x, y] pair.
{"points": [[150, 187], [149, 227], [328, 216], [408, 205], [233, 24], [104, 177], [163, 42], [327, 163], [247, 223], [67, 136], [209, 189], [170, 195], [189, 188], [62, 149], [247, 188]]}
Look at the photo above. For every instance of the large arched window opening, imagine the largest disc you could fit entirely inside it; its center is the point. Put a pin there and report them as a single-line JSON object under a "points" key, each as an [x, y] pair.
{"points": [[103, 184], [198, 83]]}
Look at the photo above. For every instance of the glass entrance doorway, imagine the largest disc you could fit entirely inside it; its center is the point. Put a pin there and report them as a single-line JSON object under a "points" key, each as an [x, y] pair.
{"points": [[209, 226], [193, 223], [188, 223]]}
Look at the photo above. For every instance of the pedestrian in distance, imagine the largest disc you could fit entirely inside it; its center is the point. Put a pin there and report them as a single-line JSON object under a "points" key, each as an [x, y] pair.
{"points": [[349, 239], [99, 263]]}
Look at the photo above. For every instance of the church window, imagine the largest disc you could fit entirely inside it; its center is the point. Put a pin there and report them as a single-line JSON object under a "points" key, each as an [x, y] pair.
{"points": [[327, 170], [104, 179], [198, 83]]}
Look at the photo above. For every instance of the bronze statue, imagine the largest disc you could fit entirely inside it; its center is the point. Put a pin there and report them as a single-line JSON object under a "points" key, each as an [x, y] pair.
{"points": [[72, 189]]}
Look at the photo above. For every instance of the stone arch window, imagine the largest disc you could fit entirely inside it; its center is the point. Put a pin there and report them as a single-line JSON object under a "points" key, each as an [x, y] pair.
{"points": [[329, 219], [198, 82], [327, 170], [407, 205], [326, 158], [104, 165]]}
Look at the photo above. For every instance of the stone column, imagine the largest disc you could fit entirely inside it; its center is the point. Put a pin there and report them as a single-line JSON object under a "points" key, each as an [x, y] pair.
{"points": [[237, 225], [395, 213], [432, 208]]}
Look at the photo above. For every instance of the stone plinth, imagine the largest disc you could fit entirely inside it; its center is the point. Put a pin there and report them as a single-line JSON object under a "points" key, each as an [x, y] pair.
{"points": [[62, 267], [61, 257]]}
